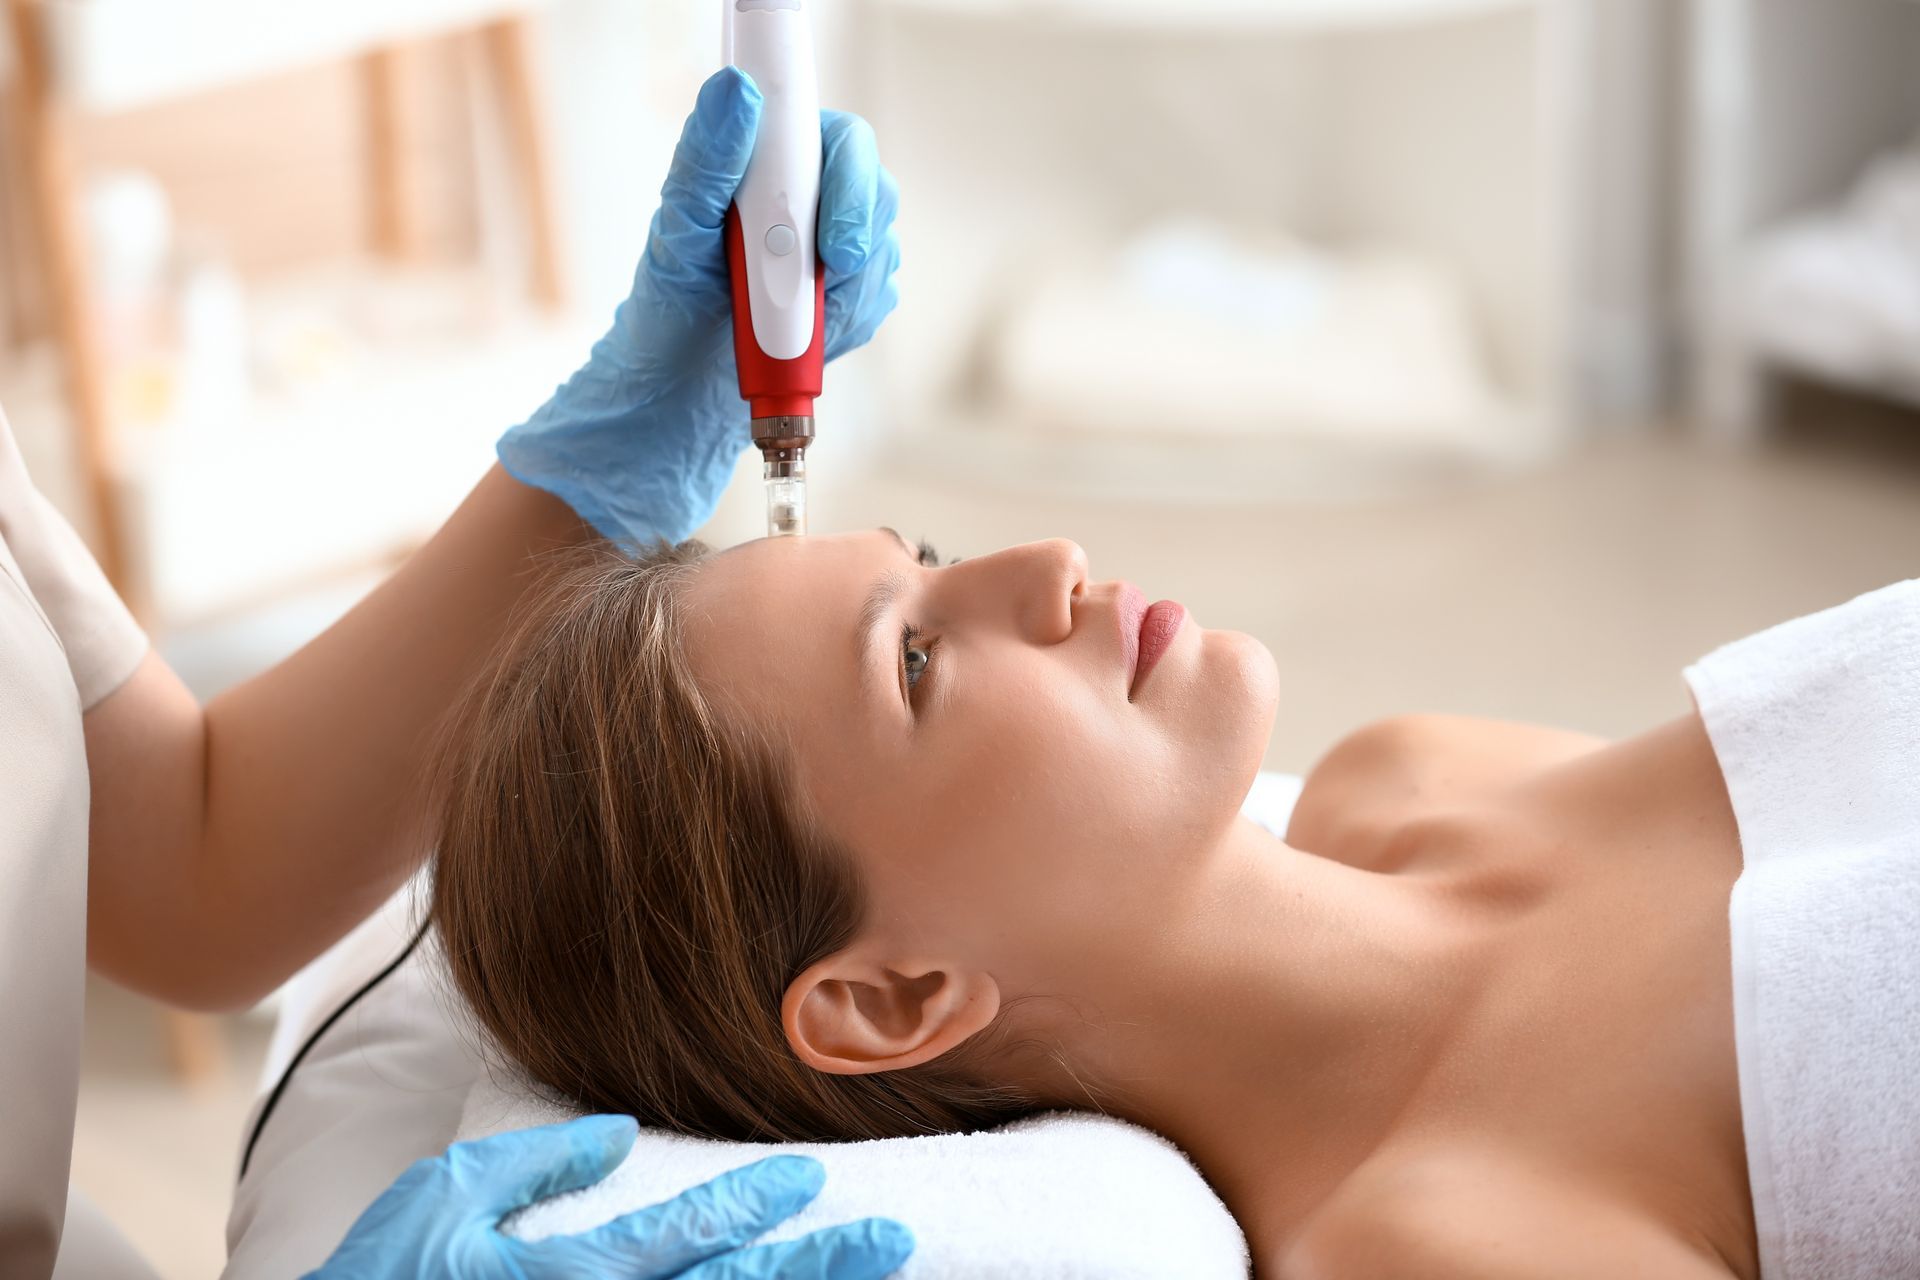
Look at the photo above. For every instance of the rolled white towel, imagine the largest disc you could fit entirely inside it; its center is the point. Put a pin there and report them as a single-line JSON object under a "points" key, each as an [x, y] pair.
{"points": [[1056, 1196]]}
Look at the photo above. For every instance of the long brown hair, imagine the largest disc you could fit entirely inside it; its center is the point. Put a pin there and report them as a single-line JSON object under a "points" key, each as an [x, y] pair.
{"points": [[625, 885]]}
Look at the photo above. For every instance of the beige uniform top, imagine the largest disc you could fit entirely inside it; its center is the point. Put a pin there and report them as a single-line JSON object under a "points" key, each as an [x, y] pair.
{"points": [[66, 642]]}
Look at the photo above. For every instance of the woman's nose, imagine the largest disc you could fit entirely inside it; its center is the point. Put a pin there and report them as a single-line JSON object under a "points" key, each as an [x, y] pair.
{"points": [[1040, 582]]}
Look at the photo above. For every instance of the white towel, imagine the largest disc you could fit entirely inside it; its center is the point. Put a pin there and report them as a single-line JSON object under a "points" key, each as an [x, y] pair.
{"points": [[1816, 725], [1055, 1196]]}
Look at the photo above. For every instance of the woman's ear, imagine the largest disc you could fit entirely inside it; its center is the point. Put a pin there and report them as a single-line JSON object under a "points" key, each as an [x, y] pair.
{"points": [[851, 1015]]}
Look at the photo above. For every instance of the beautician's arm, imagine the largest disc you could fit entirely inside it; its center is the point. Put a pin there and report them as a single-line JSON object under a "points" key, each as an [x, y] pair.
{"points": [[230, 845]]}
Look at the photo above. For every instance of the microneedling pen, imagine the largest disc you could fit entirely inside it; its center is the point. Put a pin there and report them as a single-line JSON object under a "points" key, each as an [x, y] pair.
{"points": [[779, 289]]}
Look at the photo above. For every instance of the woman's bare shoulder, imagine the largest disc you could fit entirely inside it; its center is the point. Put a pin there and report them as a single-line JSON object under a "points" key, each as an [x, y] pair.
{"points": [[1456, 1215], [1393, 772]]}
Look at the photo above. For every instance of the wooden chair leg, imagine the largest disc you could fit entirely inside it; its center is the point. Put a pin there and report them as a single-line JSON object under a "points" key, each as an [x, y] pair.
{"points": [[24, 316], [393, 196], [50, 177], [510, 59]]}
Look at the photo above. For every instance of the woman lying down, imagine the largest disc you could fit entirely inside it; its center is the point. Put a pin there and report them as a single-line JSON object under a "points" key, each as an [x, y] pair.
{"points": [[818, 839]]}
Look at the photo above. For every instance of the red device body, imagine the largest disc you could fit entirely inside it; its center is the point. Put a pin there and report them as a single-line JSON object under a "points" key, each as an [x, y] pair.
{"points": [[773, 388]]}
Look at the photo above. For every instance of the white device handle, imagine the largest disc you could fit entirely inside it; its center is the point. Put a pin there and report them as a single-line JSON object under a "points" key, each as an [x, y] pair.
{"points": [[779, 200]]}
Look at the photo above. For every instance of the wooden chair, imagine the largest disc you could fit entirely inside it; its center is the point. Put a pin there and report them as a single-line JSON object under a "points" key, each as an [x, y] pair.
{"points": [[73, 58]]}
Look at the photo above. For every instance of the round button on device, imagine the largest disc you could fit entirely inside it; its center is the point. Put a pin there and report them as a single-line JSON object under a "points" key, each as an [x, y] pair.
{"points": [[781, 239]]}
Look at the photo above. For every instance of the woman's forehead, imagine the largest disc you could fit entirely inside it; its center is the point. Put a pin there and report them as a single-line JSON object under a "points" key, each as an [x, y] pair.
{"points": [[780, 605], [777, 567]]}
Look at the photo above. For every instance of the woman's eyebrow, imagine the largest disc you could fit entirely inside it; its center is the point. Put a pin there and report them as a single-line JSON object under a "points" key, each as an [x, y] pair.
{"points": [[872, 630], [923, 554]]}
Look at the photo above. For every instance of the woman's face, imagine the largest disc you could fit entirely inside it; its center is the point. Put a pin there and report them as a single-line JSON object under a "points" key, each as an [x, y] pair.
{"points": [[970, 734]]}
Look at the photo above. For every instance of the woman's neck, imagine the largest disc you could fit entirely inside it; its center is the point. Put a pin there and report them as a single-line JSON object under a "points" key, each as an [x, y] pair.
{"points": [[1280, 1024]]}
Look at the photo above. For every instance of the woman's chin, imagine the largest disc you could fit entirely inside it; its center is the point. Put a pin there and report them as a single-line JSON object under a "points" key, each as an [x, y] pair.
{"points": [[1240, 695]]}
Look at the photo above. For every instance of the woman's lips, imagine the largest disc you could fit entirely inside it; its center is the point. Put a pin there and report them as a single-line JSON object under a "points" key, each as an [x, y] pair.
{"points": [[1162, 623], [1146, 632]]}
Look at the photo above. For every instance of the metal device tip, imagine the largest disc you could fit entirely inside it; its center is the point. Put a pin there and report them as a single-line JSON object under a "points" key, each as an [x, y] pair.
{"points": [[786, 507], [783, 449]]}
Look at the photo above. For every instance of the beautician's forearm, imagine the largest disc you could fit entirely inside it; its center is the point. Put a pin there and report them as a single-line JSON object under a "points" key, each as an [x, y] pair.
{"points": [[232, 845]]}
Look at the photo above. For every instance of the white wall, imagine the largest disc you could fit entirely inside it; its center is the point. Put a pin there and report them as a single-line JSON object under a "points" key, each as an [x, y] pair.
{"points": [[1625, 60]]}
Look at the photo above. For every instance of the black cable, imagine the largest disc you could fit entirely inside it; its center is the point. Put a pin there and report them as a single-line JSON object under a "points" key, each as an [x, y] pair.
{"points": [[286, 1077]]}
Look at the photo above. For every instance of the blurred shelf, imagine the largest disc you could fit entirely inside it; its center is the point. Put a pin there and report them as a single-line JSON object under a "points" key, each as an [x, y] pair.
{"points": [[1227, 15], [346, 469], [350, 461]]}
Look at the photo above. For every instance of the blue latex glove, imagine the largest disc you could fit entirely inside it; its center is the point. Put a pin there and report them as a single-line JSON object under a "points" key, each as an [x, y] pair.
{"points": [[440, 1221], [642, 440]]}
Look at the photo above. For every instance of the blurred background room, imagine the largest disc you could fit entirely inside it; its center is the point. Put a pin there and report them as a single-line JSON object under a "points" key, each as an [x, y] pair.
{"points": [[1496, 357]]}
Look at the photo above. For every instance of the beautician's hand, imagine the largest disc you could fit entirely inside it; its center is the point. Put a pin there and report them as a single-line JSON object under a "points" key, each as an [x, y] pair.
{"points": [[641, 441], [441, 1220]]}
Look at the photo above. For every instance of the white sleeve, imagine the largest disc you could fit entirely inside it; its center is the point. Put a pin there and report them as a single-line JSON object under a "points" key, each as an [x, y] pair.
{"points": [[103, 643]]}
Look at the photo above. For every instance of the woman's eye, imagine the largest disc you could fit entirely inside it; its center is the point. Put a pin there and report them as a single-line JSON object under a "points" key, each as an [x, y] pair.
{"points": [[915, 654]]}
